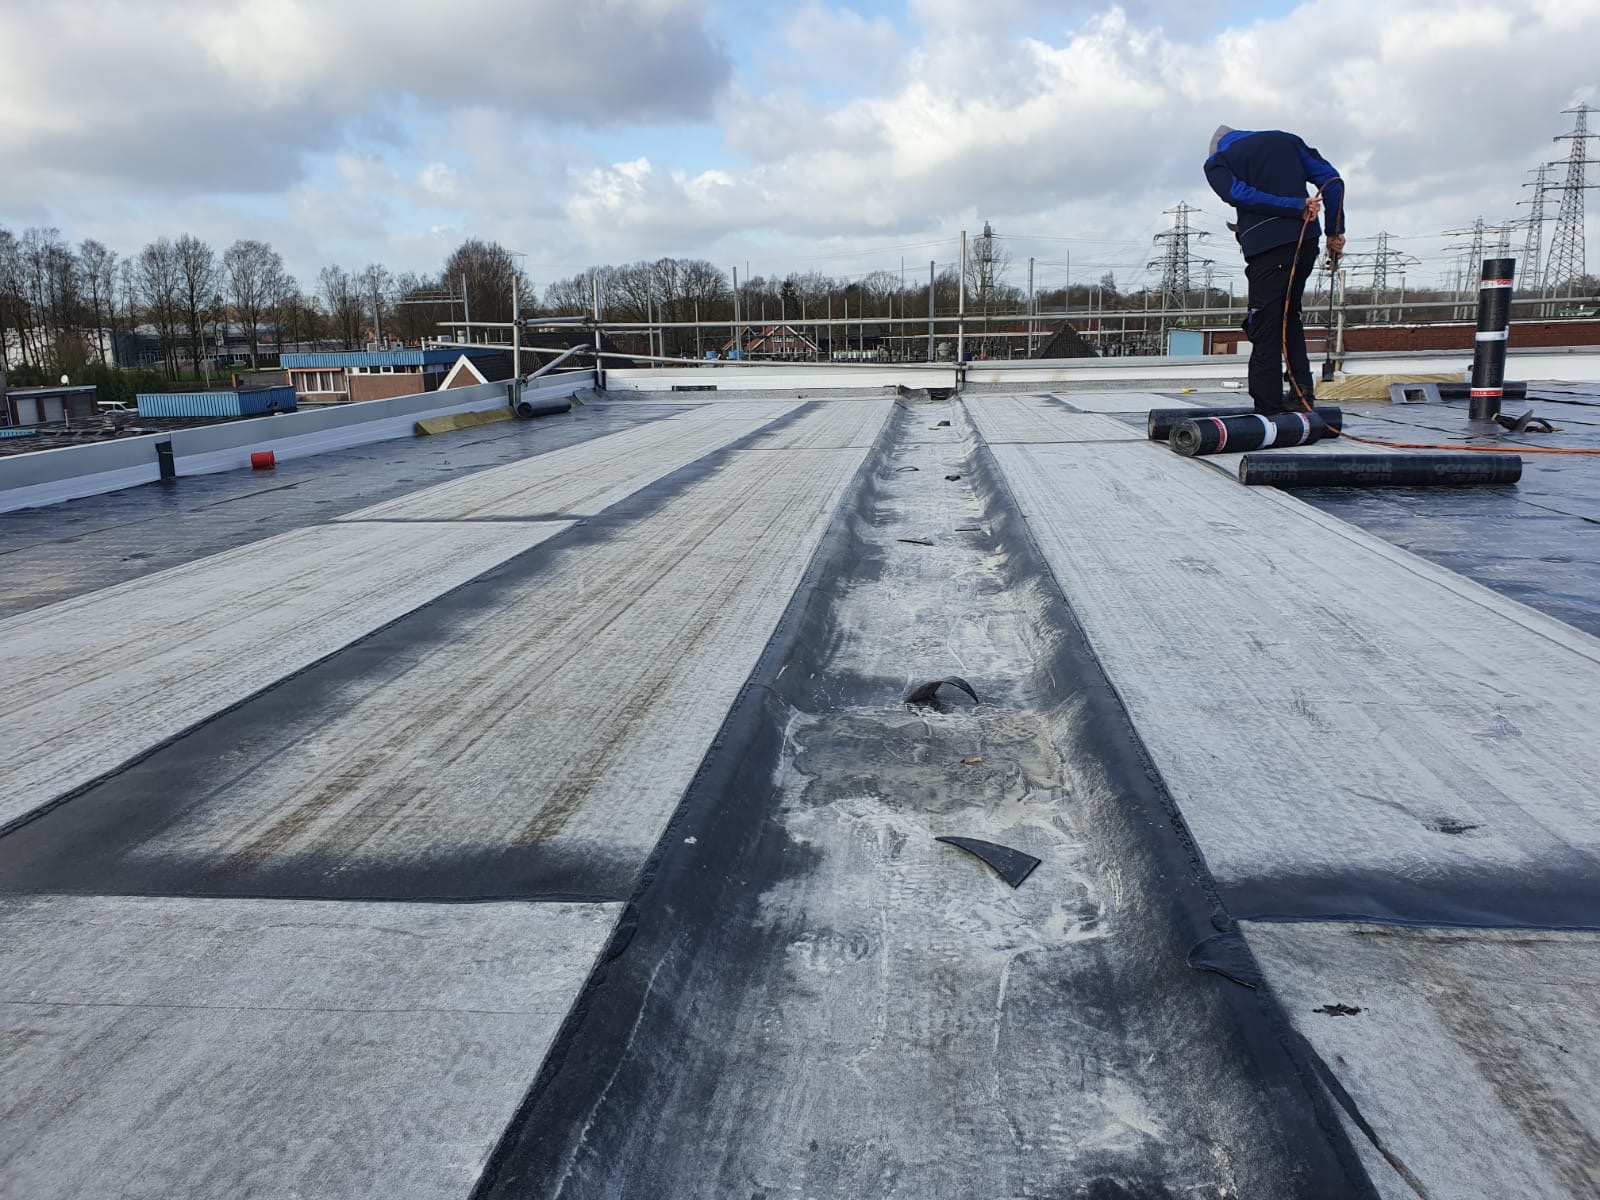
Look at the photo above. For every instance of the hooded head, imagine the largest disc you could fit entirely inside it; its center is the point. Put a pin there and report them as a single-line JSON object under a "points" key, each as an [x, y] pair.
{"points": [[1216, 138]]}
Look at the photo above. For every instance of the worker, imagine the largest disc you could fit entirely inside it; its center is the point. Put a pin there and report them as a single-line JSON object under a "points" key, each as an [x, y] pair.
{"points": [[1264, 176]]}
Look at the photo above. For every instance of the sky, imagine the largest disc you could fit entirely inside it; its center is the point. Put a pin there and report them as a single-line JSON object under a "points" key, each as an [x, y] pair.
{"points": [[839, 138]]}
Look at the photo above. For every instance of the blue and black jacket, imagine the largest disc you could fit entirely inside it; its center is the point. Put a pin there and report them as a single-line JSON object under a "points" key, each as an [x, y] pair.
{"points": [[1264, 175]]}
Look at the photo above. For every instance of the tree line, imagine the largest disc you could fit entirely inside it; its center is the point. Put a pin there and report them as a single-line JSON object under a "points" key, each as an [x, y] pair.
{"points": [[65, 307], [677, 289]]}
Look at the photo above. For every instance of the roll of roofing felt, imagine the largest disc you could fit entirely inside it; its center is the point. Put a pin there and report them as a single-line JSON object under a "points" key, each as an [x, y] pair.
{"points": [[1215, 435], [543, 408], [1161, 420], [1379, 470]]}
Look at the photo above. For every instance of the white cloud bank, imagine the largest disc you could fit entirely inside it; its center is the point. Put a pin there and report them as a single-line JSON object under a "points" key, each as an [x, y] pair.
{"points": [[841, 129], [175, 96], [1431, 110]]}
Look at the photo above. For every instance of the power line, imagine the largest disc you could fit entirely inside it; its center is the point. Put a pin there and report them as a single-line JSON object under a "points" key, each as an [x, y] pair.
{"points": [[1383, 258], [1176, 259], [1472, 258], [1567, 253], [1502, 240], [1037, 237], [1533, 243]]}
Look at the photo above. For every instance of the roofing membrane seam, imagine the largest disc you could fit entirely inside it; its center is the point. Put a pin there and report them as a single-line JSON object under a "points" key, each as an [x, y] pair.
{"points": [[663, 743]]}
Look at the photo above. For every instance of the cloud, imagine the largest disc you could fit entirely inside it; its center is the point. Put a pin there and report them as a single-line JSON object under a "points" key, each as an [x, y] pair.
{"points": [[1013, 136], [1110, 121], [624, 129], [173, 95]]}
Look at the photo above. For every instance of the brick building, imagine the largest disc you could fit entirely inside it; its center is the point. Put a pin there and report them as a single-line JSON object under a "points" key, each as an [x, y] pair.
{"points": [[348, 376], [47, 405]]}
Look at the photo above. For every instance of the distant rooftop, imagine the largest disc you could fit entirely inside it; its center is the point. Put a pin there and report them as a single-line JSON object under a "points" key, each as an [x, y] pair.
{"points": [[383, 358], [74, 389], [57, 435], [229, 402]]}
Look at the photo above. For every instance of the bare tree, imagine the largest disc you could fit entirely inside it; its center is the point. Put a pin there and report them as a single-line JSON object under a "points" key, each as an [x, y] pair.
{"points": [[666, 283], [422, 307], [879, 288], [338, 292], [13, 299], [198, 297], [297, 316], [34, 273], [282, 293], [307, 322], [705, 285], [50, 279], [487, 269], [160, 287], [250, 269], [607, 287], [568, 297], [125, 295], [760, 297], [100, 275], [629, 290], [668, 289], [373, 285]]}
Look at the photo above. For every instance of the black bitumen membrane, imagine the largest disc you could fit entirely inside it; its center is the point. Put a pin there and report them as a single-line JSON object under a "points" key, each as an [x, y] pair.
{"points": [[615, 1109], [98, 839], [1537, 541], [1560, 892], [618, 1096], [64, 550]]}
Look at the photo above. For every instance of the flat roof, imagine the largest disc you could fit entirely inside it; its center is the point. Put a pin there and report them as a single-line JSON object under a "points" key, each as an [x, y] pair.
{"points": [[328, 360], [89, 431], [252, 390], [539, 806]]}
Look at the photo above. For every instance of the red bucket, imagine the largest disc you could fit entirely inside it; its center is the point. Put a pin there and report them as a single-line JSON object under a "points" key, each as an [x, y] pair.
{"points": [[263, 460]]}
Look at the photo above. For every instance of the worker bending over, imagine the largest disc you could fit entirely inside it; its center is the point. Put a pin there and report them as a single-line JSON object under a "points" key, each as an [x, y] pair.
{"points": [[1265, 175]]}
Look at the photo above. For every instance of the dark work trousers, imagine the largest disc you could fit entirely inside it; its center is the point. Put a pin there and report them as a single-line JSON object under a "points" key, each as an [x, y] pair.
{"points": [[1272, 302]]}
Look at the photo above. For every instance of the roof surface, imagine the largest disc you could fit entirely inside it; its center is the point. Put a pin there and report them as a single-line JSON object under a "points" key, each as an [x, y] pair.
{"points": [[382, 358], [534, 811], [92, 430]]}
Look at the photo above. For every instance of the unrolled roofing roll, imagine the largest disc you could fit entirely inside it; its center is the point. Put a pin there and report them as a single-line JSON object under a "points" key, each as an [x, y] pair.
{"points": [[543, 408], [1161, 420], [1216, 435], [1379, 470]]}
